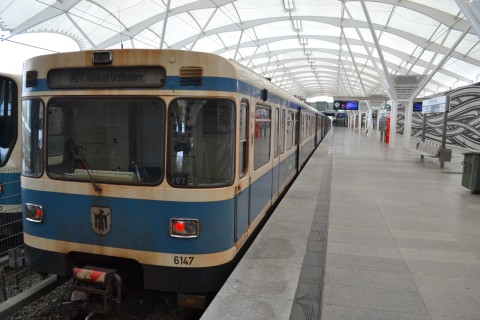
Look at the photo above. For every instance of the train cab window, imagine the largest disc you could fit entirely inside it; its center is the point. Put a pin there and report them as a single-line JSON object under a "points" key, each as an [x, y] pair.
{"points": [[8, 117], [243, 140], [201, 144], [262, 136], [32, 138], [106, 140]]}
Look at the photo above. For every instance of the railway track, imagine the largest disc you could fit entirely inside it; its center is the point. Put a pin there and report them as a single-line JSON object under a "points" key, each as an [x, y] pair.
{"points": [[137, 305]]}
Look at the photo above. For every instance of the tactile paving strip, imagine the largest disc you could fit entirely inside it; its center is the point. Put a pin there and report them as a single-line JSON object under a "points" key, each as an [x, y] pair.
{"points": [[308, 297]]}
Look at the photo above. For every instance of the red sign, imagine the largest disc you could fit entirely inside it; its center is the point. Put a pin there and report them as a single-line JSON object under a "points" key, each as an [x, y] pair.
{"points": [[387, 130]]}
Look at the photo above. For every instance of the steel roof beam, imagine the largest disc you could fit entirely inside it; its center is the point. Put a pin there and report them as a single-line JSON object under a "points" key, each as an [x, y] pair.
{"points": [[471, 12], [439, 65]]}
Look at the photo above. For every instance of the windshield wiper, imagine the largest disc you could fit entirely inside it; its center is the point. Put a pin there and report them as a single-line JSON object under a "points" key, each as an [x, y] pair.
{"points": [[79, 153], [137, 171]]}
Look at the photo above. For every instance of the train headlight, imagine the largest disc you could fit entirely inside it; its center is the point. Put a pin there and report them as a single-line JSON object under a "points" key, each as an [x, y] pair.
{"points": [[184, 228], [33, 212]]}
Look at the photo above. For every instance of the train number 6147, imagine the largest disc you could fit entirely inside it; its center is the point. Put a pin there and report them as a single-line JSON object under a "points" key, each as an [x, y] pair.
{"points": [[179, 260]]}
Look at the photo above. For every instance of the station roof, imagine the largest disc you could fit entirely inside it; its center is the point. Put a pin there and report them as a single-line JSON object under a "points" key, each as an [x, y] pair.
{"points": [[309, 47]]}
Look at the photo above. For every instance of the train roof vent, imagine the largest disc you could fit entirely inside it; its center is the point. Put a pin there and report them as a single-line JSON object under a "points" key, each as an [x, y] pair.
{"points": [[191, 76]]}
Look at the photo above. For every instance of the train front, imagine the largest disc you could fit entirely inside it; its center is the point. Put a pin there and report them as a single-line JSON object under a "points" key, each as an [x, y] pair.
{"points": [[128, 166]]}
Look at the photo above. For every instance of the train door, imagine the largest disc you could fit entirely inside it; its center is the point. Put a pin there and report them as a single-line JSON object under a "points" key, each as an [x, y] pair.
{"points": [[276, 153], [242, 197], [282, 172], [297, 139]]}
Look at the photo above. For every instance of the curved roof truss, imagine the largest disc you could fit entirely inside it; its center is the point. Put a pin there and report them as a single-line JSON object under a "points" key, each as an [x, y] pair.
{"points": [[313, 48]]}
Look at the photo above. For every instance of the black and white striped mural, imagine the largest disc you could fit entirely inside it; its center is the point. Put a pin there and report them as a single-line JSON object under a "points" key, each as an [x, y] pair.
{"points": [[463, 120]]}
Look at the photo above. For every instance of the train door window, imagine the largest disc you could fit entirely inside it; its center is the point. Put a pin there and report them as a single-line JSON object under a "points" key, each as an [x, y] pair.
{"points": [[304, 126], [289, 130], [262, 136], [297, 128], [201, 143], [243, 140], [32, 138], [8, 117], [110, 140], [277, 133]]}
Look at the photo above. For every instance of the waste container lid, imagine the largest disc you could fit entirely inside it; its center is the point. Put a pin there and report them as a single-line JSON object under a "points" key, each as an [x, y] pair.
{"points": [[473, 152]]}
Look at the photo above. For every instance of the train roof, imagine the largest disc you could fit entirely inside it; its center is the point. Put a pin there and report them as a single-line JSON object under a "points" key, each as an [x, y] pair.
{"points": [[173, 61]]}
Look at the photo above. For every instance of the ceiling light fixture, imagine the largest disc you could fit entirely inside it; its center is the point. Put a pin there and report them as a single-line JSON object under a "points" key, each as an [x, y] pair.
{"points": [[297, 24], [288, 4]]}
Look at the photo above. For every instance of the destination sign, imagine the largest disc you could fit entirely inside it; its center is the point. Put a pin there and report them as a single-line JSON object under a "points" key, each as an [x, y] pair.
{"points": [[435, 105], [138, 77]]}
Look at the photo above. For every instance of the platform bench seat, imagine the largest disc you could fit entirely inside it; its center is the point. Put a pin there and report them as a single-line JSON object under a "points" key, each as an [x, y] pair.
{"points": [[428, 148]]}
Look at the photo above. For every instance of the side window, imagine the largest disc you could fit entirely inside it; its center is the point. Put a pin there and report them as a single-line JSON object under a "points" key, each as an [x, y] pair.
{"points": [[262, 136], [297, 128], [32, 138], [289, 130], [282, 130], [243, 140], [277, 135], [8, 117]]}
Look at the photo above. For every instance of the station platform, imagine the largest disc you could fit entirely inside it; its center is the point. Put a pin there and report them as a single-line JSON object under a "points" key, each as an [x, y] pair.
{"points": [[365, 232]]}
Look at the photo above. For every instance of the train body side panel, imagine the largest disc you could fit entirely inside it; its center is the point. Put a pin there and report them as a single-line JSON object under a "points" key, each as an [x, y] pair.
{"points": [[135, 224]]}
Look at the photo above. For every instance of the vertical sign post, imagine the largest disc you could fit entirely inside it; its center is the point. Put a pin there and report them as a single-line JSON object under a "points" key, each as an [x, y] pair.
{"points": [[387, 129]]}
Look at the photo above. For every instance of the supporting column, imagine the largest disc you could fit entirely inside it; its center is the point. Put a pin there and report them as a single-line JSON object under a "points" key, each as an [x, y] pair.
{"points": [[407, 130], [370, 118], [393, 124]]}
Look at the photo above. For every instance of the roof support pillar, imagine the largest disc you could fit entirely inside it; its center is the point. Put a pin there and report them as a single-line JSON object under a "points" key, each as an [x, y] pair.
{"points": [[203, 29], [471, 10], [388, 79], [167, 9], [238, 46], [409, 107], [390, 90], [407, 129], [81, 31], [440, 64]]}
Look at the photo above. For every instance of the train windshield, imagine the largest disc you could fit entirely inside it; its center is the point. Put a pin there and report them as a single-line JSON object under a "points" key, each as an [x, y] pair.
{"points": [[201, 143], [106, 140]]}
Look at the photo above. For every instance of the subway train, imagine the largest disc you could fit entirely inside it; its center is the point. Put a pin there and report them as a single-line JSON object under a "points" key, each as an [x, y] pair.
{"points": [[10, 194], [153, 167]]}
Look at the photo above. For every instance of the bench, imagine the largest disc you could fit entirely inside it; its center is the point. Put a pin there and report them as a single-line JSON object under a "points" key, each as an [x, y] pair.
{"points": [[434, 150], [427, 148]]}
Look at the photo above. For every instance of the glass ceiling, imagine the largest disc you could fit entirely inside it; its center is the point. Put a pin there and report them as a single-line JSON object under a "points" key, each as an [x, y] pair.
{"points": [[308, 47]]}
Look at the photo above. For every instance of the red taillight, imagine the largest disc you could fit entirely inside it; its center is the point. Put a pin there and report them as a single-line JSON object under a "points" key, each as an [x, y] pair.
{"points": [[33, 212], [184, 228], [179, 226]]}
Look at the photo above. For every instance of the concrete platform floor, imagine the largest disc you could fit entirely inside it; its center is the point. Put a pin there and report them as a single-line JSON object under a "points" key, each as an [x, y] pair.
{"points": [[403, 240]]}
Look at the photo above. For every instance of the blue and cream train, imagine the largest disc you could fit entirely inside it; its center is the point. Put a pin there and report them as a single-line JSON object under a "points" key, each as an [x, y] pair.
{"points": [[10, 194], [158, 164]]}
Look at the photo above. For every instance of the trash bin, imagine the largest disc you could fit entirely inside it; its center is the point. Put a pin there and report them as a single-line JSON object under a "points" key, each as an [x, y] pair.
{"points": [[471, 171]]}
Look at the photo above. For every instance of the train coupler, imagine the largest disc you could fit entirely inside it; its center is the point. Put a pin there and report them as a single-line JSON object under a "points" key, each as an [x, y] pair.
{"points": [[95, 289]]}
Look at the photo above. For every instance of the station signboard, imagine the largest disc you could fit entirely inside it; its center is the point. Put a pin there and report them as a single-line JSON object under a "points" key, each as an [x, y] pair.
{"points": [[435, 105]]}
